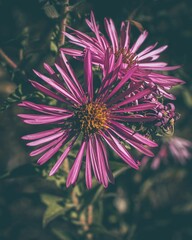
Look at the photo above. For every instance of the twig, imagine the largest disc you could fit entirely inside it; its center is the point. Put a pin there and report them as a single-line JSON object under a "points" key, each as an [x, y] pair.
{"points": [[64, 23], [8, 59]]}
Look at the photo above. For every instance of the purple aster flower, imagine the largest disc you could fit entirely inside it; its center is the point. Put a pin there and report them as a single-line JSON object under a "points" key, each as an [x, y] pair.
{"points": [[176, 148], [98, 117], [120, 45], [166, 116]]}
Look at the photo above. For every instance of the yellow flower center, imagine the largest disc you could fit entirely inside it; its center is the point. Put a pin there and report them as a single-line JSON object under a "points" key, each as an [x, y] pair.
{"points": [[92, 117], [128, 57]]}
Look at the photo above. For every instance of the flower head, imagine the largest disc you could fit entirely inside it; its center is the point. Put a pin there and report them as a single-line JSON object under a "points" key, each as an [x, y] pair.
{"points": [[98, 117], [175, 148], [120, 45]]}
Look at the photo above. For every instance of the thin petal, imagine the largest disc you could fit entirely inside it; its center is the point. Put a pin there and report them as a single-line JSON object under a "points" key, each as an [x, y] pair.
{"points": [[88, 175], [71, 86], [93, 157], [101, 162], [40, 134], [109, 30], [134, 118], [88, 74], [133, 98], [48, 92], [74, 172], [127, 36], [122, 82], [62, 157], [120, 150], [139, 107], [72, 74], [131, 89], [110, 174], [46, 139], [46, 147], [130, 133], [139, 41], [46, 156], [72, 52], [51, 110], [152, 53], [36, 120], [136, 145], [57, 86]]}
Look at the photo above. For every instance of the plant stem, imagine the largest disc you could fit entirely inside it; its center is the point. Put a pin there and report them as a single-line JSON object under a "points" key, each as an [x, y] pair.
{"points": [[64, 23], [8, 59]]}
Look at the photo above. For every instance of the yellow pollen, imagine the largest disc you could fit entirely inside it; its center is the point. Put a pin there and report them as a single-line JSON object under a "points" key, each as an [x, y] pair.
{"points": [[128, 57], [92, 117]]}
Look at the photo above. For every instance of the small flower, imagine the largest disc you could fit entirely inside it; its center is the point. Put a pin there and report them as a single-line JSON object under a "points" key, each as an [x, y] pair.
{"points": [[96, 116], [176, 148], [145, 59]]}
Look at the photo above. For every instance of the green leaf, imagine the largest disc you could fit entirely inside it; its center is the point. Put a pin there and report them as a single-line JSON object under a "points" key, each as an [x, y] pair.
{"points": [[54, 209], [53, 47], [117, 165]]}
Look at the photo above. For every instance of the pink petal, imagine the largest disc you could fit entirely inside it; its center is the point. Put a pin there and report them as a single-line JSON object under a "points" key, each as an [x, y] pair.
{"points": [[136, 145], [72, 74], [122, 82], [139, 107], [88, 74], [101, 162], [131, 89], [120, 150], [57, 86], [139, 41], [134, 118], [47, 91], [109, 30], [93, 158], [134, 98], [114, 34], [110, 174], [74, 172], [122, 129], [52, 73], [72, 87], [88, 175], [127, 36], [40, 134], [152, 53], [46, 147], [62, 157], [152, 65], [46, 139], [146, 50], [72, 52], [44, 108], [36, 120], [46, 156]]}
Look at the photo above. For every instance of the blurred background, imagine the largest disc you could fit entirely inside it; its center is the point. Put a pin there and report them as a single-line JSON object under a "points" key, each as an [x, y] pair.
{"points": [[148, 204]]}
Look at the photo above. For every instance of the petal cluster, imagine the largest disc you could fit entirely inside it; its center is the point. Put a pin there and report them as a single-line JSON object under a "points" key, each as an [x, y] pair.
{"points": [[175, 148], [120, 112], [146, 59], [98, 117]]}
